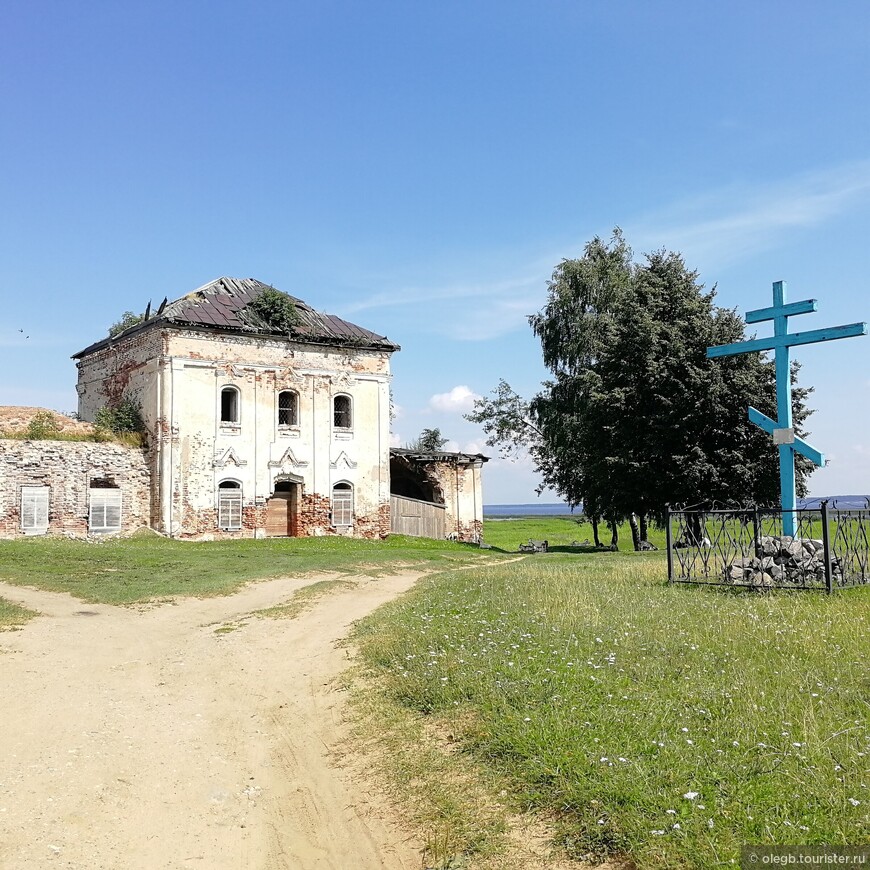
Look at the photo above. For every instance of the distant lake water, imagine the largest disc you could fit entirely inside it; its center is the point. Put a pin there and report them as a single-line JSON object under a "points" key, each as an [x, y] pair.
{"points": [[537, 509]]}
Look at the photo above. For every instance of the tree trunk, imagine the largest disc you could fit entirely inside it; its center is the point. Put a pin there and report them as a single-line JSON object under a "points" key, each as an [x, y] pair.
{"points": [[614, 535], [694, 527], [644, 529], [595, 538], [635, 531]]}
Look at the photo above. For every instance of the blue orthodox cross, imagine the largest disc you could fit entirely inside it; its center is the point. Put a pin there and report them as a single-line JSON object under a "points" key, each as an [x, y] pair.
{"points": [[782, 429]]}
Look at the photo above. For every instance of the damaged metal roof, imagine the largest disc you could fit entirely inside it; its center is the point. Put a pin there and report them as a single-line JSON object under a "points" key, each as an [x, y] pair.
{"points": [[438, 456], [223, 305]]}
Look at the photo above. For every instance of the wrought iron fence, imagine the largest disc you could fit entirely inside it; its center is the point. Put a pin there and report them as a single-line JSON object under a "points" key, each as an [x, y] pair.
{"points": [[746, 547]]}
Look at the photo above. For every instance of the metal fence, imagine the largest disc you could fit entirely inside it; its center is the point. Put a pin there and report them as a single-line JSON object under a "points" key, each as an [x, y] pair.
{"points": [[746, 547]]}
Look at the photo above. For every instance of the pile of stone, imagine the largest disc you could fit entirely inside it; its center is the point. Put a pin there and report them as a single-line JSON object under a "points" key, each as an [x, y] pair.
{"points": [[784, 561]]}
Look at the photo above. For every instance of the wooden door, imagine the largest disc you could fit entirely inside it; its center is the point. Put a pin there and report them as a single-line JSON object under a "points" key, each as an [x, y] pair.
{"points": [[281, 515]]}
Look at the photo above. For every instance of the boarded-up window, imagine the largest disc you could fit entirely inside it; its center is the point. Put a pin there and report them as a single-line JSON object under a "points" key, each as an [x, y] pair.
{"points": [[342, 504], [104, 513], [288, 408], [229, 405], [229, 506], [342, 416], [34, 510]]}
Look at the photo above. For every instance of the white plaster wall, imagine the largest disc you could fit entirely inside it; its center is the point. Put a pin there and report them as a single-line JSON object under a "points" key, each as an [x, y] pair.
{"points": [[180, 391]]}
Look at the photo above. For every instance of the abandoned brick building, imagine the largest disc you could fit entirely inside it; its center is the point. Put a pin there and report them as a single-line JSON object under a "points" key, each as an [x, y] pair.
{"points": [[251, 431]]}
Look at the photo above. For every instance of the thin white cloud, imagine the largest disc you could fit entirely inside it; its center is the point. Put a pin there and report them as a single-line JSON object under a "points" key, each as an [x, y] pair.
{"points": [[422, 295], [395, 439], [485, 322], [731, 223], [458, 400], [719, 227]]}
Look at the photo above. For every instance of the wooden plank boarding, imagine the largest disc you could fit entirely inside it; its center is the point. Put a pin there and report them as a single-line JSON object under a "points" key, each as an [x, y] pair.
{"points": [[782, 429]]}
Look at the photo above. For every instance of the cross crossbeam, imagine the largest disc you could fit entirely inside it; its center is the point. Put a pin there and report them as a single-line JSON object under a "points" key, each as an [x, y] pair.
{"points": [[781, 429], [814, 336]]}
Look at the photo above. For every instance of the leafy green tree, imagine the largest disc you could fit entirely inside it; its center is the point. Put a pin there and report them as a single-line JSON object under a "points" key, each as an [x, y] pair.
{"points": [[428, 441], [635, 415]]}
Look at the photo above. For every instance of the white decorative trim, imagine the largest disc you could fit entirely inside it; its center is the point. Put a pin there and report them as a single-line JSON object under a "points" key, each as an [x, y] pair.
{"points": [[227, 456], [343, 458], [288, 458], [343, 379]]}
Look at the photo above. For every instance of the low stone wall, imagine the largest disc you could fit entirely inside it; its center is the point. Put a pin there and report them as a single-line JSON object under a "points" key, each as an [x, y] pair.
{"points": [[784, 561], [67, 469]]}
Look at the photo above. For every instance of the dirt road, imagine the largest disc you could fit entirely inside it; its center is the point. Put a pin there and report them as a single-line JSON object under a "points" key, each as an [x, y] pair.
{"points": [[144, 740]]}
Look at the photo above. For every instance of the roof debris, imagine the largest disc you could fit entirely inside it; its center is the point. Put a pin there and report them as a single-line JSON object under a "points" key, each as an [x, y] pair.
{"points": [[223, 304]]}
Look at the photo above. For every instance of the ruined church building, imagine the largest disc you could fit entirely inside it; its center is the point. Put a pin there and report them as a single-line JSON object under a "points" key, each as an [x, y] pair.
{"points": [[250, 433]]}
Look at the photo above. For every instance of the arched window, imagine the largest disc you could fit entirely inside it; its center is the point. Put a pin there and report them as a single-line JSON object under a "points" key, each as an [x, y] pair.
{"points": [[342, 413], [342, 504], [288, 408], [230, 505], [229, 405]]}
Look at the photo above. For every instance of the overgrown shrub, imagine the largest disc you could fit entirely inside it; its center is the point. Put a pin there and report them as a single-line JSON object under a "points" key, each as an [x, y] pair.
{"points": [[42, 426], [125, 416], [276, 309], [128, 319]]}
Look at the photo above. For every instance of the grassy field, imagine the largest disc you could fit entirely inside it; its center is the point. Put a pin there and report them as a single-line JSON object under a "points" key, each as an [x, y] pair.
{"points": [[667, 724], [561, 532], [143, 567], [13, 615]]}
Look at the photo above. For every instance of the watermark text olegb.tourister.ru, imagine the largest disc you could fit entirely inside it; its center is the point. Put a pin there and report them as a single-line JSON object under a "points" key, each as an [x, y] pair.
{"points": [[752, 857]]}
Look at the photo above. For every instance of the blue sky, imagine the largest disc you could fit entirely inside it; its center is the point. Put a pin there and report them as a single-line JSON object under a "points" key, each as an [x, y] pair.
{"points": [[420, 168]]}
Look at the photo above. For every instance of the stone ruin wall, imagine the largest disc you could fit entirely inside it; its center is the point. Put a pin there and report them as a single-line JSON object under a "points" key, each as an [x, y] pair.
{"points": [[460, 485], [67, 467], [118, 371]]}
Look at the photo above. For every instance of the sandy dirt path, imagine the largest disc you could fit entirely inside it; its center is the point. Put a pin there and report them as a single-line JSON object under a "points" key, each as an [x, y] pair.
{"points": [[144, 740]]}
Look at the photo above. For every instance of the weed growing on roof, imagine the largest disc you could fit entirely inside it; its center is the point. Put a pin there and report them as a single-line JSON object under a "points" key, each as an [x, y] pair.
{"points": [[127, 319], [276, 309], [669, 724]]}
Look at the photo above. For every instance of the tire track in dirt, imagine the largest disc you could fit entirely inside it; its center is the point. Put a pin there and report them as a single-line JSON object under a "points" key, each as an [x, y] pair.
{"points": [[144, 739]]}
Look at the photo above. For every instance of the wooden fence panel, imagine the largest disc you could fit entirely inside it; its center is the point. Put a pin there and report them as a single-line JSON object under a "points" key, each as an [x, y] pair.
{"points": [[420, 519]]}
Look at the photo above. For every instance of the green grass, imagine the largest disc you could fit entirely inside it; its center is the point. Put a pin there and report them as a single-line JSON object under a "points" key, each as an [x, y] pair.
{"points": [[130, 439], [13, 615], [303, 599], [667, 724], [143, 567], [561, 532]]}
